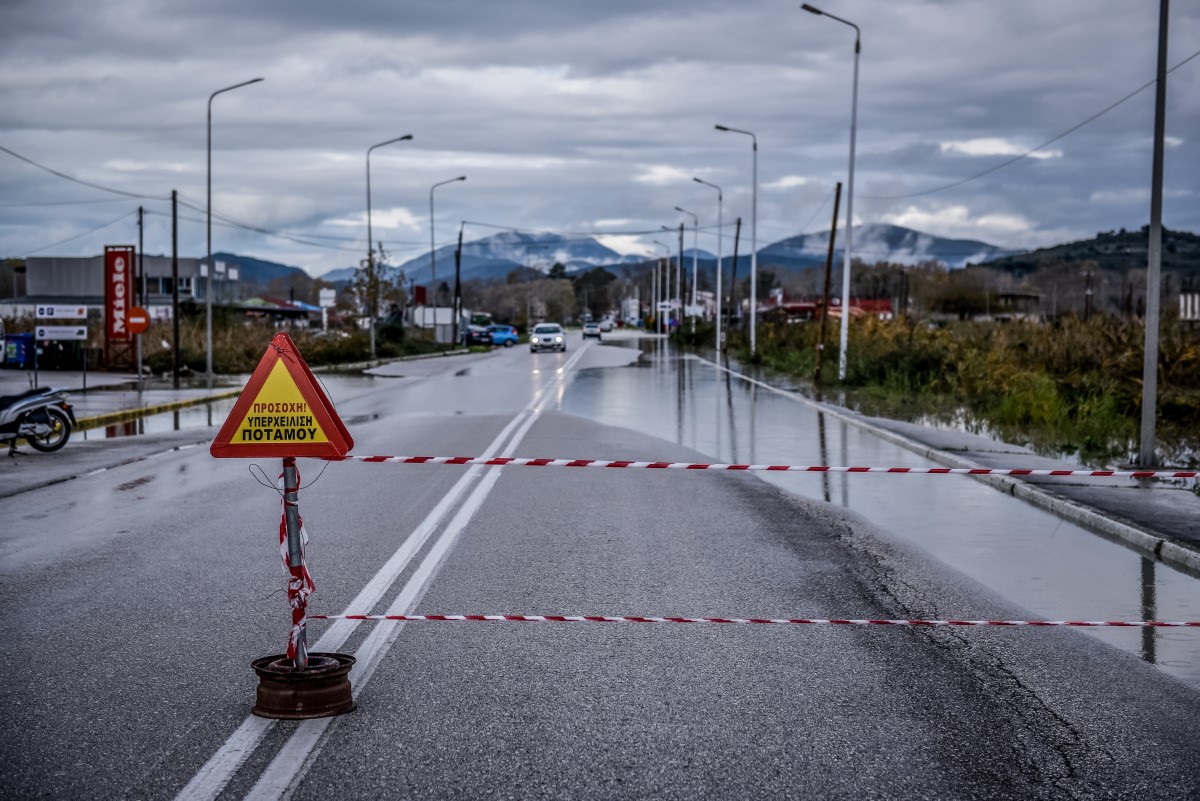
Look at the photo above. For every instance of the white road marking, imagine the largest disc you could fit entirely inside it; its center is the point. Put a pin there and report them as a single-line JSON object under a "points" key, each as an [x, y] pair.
{"points": [[288, 764]]}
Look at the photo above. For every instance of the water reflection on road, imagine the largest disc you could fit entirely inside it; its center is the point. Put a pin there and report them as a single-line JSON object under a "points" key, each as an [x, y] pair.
{"points": [[1047, 564]]}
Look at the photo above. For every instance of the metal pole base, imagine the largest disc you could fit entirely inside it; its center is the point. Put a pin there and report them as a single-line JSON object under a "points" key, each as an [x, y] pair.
{"points": [[320, 690]]}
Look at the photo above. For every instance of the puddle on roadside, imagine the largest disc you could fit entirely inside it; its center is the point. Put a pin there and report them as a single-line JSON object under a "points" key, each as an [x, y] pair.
{"points": [[213, 414], [1050, 566]]}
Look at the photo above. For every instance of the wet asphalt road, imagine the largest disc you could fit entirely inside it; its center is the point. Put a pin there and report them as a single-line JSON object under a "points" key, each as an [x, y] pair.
{"points": [[133, 600]]}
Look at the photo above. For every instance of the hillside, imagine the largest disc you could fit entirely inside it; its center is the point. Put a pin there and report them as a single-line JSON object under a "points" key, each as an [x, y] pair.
{"points": [[1112, 251]]}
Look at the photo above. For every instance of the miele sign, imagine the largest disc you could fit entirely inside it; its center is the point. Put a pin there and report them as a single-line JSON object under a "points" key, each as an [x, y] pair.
{"points": [[118, 289]]}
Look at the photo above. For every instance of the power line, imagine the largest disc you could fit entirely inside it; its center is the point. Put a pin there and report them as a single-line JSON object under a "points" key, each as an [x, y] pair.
{"points": [[61, 203], [101, 187], [1030, 152], [818, 211], [264, 231], [233, 222], [85, 233]]}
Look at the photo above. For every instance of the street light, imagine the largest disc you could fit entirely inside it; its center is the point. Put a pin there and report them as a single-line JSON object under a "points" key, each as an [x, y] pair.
{"points": [[678, 273], [371, 288], [753, 234], [845, 328], [432, 256], [208, 280], [695, 248], [665, 284], [720, 198]]}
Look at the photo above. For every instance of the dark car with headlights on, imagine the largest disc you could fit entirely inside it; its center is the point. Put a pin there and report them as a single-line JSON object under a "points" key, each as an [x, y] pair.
{"points": [[547, 336], [477, 335]]}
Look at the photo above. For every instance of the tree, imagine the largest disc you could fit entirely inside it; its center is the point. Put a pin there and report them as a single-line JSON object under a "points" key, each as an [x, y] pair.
{"points": [[375, 283], [557, 272], [594, 289]]}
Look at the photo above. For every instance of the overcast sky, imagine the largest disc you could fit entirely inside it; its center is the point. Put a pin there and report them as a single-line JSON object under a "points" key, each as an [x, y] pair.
{"points": [[582, 116]]}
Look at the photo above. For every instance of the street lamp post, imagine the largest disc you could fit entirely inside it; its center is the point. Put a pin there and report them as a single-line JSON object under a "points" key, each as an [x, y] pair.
{"points": [[208, 280], [845, 328], [371, 288], [432, 254], [753, 234], [664, 286], [695, 256], [720, 198], [678, 274]]}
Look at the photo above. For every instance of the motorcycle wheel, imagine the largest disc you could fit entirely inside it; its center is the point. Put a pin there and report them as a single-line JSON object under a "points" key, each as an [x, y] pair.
{"points": [[57, 435]]}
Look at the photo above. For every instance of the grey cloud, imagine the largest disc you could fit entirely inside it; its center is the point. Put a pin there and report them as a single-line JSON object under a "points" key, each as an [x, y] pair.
{"points": [[554, 109]]}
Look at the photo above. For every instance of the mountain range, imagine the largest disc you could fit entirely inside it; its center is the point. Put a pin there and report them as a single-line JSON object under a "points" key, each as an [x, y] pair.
{"points": [[494, 257]]}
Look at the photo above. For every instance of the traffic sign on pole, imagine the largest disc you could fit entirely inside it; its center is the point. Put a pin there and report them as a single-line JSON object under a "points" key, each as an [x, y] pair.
{"points": [[138, 320], [282, 412], [49, 312], [78, 332]]}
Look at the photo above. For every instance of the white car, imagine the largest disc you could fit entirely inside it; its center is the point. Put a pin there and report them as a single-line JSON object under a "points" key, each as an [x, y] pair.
{"points": [[606, 325], [591, 330], [547, 336]]}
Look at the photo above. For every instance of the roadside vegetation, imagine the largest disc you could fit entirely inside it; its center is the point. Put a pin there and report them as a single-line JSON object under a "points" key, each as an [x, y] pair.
{"points": [[1068, 387]]}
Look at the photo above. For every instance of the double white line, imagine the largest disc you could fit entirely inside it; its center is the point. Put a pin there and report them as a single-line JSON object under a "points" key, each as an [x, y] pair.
{"points": [[291, 762]]}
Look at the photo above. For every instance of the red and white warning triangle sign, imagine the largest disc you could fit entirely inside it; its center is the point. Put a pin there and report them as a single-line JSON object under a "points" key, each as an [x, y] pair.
{"points": [[282, 412]]}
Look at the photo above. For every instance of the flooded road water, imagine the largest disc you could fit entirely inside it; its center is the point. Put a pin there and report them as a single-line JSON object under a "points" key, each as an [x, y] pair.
{"points": [[1044, 563], [1049, 565]]}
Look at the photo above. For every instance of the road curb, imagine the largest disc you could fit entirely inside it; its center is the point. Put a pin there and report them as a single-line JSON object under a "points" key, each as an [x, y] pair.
{"points": [[124, 415], [349, 366]]}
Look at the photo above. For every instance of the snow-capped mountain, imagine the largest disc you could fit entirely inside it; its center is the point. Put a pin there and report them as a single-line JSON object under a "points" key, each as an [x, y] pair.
{"points": [[880, 242]]}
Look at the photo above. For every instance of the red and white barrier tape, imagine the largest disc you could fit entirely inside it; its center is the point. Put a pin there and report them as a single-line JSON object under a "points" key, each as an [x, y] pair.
{"points": [[503, 461], [764, 621], [300, 583]]}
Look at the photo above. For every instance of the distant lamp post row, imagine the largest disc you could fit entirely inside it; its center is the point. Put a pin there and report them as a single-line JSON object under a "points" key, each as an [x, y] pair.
{"points": [[371, 242], [695, 230], [663, 288], [208, 281], [845, 327], [720, 268]]}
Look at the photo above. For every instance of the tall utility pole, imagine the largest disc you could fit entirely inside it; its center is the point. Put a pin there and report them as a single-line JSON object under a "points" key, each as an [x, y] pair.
{"points": [[679, 279], [175, 285], [457, 281], [432, 250], [139, 288], [737, 235], [1146, 455], [837, 199]]}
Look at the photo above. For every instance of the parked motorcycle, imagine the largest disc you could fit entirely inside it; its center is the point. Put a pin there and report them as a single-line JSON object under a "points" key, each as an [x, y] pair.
{"points": [[42, 417]]}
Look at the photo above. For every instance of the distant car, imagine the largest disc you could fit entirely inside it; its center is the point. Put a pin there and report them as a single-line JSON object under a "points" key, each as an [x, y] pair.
{"points": [[606, 324], [547, 336], [476, 335], [504, 335], [591, 330]]}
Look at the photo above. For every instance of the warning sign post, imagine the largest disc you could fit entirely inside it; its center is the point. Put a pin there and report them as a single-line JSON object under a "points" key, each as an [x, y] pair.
{"points": [[283, 412]]}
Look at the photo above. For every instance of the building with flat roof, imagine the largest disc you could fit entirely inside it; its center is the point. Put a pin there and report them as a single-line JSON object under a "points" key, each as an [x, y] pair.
{"points": [[79, 280]]}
